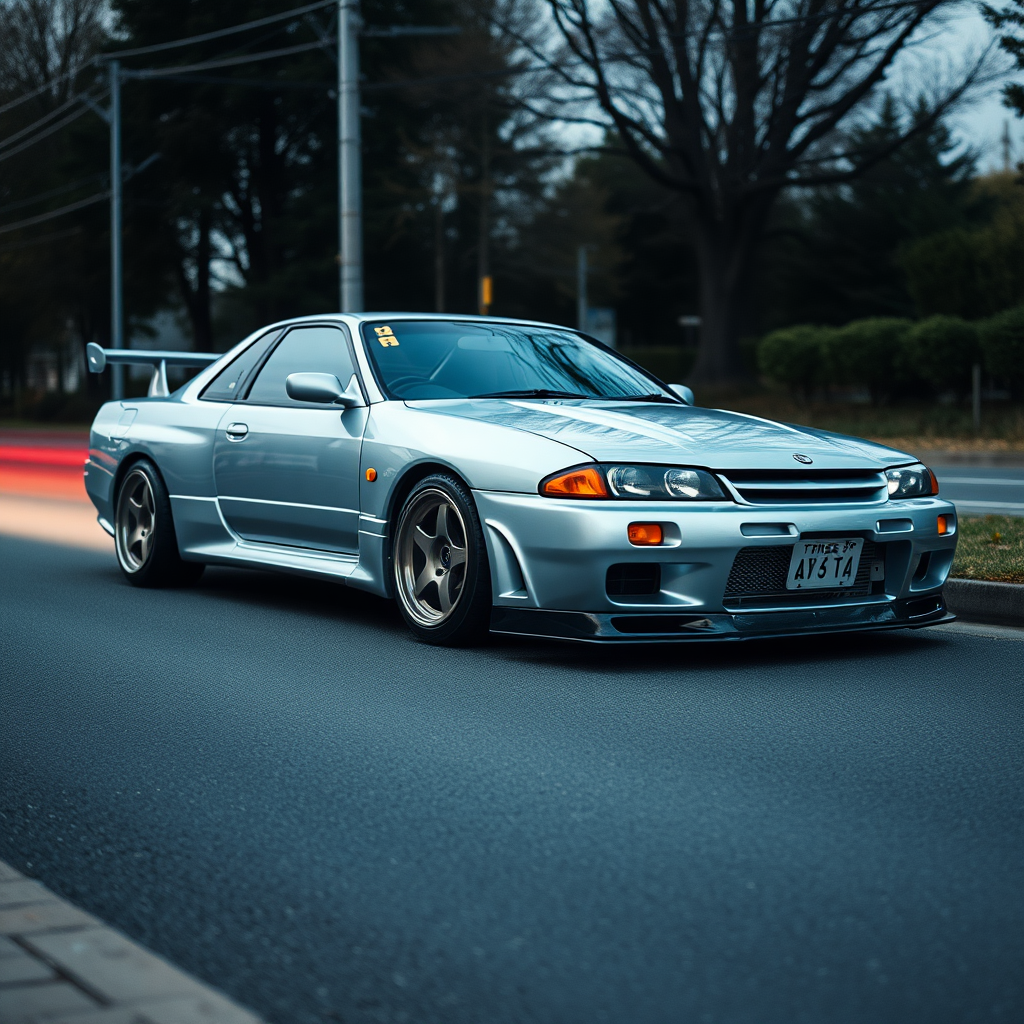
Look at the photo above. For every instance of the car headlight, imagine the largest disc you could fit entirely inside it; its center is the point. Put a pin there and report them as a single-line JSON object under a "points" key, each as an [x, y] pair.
{"points": [[915, 481], [644, 483]]}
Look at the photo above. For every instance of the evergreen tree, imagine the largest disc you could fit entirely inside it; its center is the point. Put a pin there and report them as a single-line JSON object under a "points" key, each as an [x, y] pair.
{"points": [[834, 254]]}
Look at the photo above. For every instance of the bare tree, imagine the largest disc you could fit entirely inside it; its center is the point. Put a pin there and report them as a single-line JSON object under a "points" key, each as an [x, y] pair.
{"points": [[46, 40], [728, 103], [1009, 20], [46, 47]]}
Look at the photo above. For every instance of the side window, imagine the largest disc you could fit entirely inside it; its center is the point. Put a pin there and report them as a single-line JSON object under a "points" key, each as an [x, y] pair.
{"points": [[229, 384], [303, 350]]}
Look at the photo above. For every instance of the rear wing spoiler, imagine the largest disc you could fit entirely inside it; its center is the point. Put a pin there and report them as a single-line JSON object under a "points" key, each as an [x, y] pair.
{"points": [[99, 358]]}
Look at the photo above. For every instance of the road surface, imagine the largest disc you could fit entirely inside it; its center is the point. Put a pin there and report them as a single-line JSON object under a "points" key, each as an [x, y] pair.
{"points": [[983, 489], [267, 781]]}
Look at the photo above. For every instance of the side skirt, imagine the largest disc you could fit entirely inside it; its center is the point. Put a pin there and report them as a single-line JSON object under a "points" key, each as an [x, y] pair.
{"points": [[204, 536]]}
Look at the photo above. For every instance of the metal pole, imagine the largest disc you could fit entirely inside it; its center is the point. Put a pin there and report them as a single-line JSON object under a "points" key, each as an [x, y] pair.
{"points": [[116, 284], [483, 256], [350, 214], [581, 288]]}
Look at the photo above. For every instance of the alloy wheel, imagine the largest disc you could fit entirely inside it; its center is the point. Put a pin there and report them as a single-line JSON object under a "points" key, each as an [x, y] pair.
{"points": [[431, 557], [136, 521]]}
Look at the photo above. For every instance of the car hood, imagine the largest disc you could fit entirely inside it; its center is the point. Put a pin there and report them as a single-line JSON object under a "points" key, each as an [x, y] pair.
{"points": [[648, 432]]}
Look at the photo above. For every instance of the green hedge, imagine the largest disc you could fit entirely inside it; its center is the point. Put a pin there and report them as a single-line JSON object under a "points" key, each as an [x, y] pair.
{"points": [[797, 357], [890, 356], [942, 350], [872, 353], [1002, 346]]}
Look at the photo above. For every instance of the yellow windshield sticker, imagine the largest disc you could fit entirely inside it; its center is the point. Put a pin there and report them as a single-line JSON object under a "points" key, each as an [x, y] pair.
{"points": [[386, 336]]}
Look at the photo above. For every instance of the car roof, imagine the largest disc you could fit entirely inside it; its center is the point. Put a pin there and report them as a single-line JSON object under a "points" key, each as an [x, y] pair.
{"points": [[396, 316]]}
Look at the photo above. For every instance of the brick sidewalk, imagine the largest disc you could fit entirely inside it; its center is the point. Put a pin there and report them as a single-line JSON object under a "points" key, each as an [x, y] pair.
{"points": [[59, 965]]}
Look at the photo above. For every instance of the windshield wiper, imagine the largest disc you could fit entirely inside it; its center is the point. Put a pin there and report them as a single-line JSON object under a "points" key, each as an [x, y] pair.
{"points": [[642, 398], [532, 393]]}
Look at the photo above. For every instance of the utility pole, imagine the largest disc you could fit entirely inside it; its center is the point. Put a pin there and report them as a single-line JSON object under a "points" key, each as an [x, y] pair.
{"points": [[581, 288], [1007, 146], [483, 256], [116, 281], [350, 212], [350, 184]]}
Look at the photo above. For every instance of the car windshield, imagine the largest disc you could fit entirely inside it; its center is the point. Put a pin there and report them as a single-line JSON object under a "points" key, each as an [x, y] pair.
{"points": [[436, 359]]}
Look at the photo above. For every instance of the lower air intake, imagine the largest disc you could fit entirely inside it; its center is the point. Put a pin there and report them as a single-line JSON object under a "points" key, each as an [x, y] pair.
{"points": [[633, 579], [758, 577]]}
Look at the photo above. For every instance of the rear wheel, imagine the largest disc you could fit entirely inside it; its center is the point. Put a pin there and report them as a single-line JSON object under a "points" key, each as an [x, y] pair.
{"points": [[147, 548], [439, 564]]}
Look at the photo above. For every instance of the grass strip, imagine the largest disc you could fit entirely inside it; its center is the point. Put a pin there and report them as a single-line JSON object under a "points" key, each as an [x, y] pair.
{"points": [[990, 548]]}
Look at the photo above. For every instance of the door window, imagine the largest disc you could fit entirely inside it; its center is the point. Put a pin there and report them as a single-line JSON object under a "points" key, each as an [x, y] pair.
{"points": [[229, 384], [303, 350]]}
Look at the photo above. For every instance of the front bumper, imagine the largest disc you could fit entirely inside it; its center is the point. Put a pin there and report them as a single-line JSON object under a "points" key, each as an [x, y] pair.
{"points": [[632, 629], [550, 560]]}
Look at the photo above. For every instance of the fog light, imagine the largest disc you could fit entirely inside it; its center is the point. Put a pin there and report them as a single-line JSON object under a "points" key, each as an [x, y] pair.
{"points": [[645, 534], [945, 524]]}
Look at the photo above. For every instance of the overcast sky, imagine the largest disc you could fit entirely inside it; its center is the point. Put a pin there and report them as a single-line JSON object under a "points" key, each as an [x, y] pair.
{"points": [[981, 122]]}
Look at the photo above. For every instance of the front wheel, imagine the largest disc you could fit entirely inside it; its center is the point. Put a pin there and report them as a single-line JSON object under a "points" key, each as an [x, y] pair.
{"points": [[441, 577], [147, 549]]}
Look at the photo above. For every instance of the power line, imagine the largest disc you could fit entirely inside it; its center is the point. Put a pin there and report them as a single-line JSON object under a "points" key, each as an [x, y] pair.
{"points": [[396, 31], [250, 58], [221, 32], [46, 85], [295, 12], [21, 203], [270, 84], [400, 31], [44, 134], [35, 124], [172, 44], [70, 208]]}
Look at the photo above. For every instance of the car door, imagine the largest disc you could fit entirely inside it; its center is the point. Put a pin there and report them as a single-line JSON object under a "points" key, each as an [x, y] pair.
{"points": [[287, 472]]}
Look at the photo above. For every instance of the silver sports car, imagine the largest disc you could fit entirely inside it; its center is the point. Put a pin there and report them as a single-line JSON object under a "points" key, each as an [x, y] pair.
{"points": [[515, 477]]}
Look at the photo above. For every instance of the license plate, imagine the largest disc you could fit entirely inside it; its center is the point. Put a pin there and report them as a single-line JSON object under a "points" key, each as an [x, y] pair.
{"points": [[831, 563]]}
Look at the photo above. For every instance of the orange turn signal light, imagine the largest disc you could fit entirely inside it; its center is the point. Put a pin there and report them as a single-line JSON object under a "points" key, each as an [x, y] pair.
{"points": [[587, 482], [645, 534], [935, 485], [943, 523], [371, 474]]}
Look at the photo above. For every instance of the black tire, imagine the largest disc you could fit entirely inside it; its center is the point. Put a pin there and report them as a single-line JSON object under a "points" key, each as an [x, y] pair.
{"points": [[144, 538], [439, 567]]}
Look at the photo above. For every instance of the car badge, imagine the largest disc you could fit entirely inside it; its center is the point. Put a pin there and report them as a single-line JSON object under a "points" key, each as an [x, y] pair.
{"points": [[803, 459]]}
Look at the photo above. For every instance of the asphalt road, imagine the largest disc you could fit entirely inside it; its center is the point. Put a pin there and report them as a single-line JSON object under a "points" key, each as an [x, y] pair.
{"points": [[981, 489], [268, 782]]}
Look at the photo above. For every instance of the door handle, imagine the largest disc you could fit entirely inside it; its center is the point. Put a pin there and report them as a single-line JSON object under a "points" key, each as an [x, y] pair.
{"points": [[236, 431]]}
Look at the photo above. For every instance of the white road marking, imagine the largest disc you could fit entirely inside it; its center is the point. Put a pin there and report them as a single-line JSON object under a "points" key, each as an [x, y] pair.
{"points": [[1012, 508]]}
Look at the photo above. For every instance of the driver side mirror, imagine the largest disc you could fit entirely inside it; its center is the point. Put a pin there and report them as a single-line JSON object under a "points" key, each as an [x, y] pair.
{"points": [[683, 392], [323, 388]]}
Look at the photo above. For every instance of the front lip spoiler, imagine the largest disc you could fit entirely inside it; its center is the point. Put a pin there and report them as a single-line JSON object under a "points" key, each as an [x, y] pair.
{"points": [[659, 628]]}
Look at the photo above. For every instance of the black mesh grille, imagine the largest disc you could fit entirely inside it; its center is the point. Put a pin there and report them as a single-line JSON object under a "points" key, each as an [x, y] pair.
{"points": [[630, 579], [760, 573]]}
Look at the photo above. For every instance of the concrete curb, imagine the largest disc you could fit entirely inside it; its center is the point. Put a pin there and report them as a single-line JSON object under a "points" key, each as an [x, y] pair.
{"points": [[1001, 604], [59, 965]]}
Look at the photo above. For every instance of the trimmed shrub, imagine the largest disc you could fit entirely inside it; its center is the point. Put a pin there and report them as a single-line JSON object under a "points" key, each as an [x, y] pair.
{"points": [[1002, 347], [795, 357], [942, 350], [872, 353]]}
